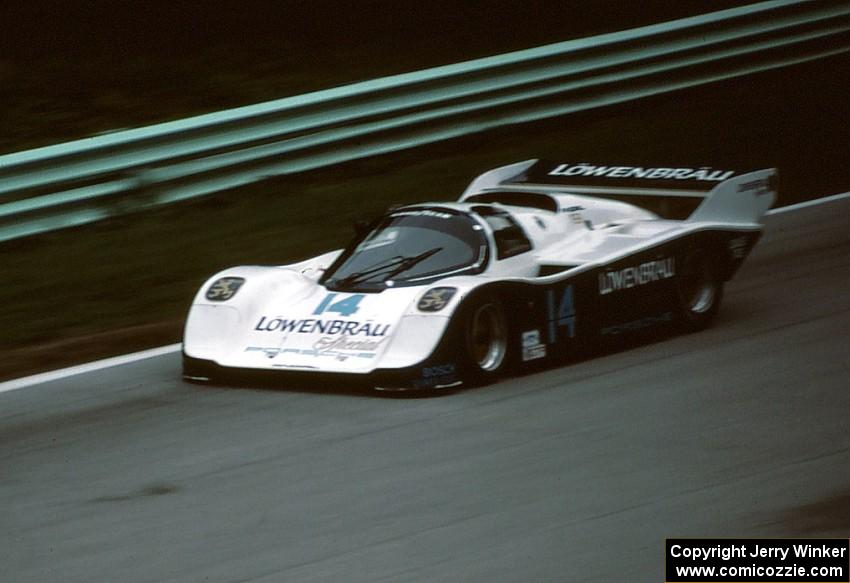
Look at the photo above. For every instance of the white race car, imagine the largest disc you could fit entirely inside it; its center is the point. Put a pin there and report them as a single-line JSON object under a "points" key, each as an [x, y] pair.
{"points": [[535, 260]]}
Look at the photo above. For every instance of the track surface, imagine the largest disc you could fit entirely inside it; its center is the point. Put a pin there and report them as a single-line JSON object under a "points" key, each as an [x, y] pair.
{"points": [[572, 474]]}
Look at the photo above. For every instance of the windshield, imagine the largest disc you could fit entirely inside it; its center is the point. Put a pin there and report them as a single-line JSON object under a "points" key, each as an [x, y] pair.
{"points": [[410, 247]]}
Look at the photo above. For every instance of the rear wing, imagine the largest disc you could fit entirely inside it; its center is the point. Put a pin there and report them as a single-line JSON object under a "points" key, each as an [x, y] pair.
{"points": [[707, 194]]}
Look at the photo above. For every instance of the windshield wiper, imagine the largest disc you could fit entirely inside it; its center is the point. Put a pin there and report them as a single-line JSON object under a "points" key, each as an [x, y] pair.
{"points": [[396, 265], [409, 262]]}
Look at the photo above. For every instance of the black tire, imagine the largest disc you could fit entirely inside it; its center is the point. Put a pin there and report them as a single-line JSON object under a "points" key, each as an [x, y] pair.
{"points": [[484, 341], [699, 291]]}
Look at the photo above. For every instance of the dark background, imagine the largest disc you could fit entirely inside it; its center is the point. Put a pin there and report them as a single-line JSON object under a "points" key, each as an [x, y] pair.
{"points": [[72, 69]]}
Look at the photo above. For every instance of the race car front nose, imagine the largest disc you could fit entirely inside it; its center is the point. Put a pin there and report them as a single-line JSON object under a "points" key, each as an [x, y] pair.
{"points": [[208, 328]]}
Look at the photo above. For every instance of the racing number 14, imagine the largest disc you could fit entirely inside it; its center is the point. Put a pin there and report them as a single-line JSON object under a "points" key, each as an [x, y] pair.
{"points": [[565, 315], [344, 307]]}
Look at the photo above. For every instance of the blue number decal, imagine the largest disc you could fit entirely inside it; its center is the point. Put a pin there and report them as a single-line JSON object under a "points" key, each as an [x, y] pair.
{"points": [[565, 315], [347, 306], [323, 305], [344, 307]]}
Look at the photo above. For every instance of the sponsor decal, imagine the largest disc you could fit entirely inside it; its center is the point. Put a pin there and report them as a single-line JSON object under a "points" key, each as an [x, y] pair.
{"points": [[347, 306], [639, 324], [762, 186], [436, 375], [629, 277], [435, 299], [340, 348], [268, 351], [562, 317], [439, 370], [225, 288], [340, 339], [329, 343], [704, 173], [380, 239], [534, 352], [423, 213], [530, 338], [319, 326], [738, 247], [532, 348], [574, 213]]}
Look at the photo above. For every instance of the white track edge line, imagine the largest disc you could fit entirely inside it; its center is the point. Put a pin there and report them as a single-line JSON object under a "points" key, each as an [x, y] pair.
{"points": [[56, 375], [62, 373]]}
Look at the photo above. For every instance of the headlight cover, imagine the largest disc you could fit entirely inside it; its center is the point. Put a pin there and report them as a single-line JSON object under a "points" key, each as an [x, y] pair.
{"points": [[224, 288], [436, 298]]}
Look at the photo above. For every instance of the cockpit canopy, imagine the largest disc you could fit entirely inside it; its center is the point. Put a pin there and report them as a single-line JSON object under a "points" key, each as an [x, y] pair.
{"points": [[411, 246]]}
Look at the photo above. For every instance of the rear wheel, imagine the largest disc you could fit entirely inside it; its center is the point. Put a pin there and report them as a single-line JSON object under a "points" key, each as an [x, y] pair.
{"points": [[485, 341], [699, 291]]}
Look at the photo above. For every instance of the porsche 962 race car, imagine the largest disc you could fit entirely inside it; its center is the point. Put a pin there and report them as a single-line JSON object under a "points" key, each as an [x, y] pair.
{"points": [[535, 260]]}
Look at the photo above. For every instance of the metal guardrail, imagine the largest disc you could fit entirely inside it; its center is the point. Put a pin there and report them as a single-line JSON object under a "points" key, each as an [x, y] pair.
{"points": [[91, 179]]}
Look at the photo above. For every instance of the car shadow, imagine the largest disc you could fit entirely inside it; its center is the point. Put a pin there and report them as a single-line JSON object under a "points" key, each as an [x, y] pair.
{"points": [[603, 346], [318, 387]]}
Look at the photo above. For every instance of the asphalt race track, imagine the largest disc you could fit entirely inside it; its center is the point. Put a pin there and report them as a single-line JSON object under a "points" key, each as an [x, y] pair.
{"points": [[571, 474]]}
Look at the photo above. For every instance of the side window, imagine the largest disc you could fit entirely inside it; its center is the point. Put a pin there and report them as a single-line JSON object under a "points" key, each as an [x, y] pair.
{"points": [[510, 238]]}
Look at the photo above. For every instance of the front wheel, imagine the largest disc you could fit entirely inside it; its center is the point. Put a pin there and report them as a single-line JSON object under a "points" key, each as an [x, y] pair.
{"points": [[485, 341], [699, 292]]}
